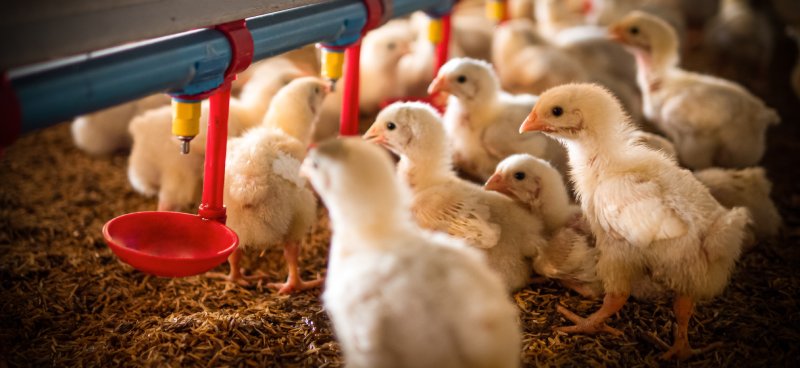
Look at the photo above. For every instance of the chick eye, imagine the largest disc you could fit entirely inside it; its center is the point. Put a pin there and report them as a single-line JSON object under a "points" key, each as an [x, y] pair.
{"points": [[519, 175], [391, 45], [557, 111], [316, 90], [461, 79], [634, 30], [390, 125]]}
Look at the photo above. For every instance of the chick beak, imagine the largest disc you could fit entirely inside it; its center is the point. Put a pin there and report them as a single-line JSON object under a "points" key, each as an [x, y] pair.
{"points": [[374, 136], [439, 84], [533, 124], [615, 33], [327, 88], [497, 184]]}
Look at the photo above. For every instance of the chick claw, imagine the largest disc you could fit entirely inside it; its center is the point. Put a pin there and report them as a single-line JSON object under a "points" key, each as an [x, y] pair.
{"points": [[237, 278], [291, 286], [584, 325], [683, 351]]}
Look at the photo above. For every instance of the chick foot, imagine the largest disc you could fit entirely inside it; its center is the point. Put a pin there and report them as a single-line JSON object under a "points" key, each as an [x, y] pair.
{"points": [[236, 275], [587, 325], [293, 282], [596, 322], [681, 349]]}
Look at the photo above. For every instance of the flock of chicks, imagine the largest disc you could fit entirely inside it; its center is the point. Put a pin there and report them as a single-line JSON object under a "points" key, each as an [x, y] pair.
{"points": [[420, 252]]}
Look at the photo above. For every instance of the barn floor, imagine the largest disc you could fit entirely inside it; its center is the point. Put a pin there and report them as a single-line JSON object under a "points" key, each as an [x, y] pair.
{"points": [[65, 299]]}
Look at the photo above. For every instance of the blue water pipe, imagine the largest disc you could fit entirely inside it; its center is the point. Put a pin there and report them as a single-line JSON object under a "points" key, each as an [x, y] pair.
{"points": [[188, 63]]}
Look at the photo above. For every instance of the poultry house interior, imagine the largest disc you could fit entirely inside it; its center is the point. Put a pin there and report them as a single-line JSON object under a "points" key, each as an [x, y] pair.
{"points": [[66, 299]]}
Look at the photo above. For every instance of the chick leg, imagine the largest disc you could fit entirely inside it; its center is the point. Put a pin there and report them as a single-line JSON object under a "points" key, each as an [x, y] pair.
{"points": [[293, 282], [680, 347], [595, 323], [235, 275]]}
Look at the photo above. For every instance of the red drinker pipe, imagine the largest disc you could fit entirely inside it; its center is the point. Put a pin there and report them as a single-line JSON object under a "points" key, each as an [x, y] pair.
{"points": [[211, 206], [443, 46], [349, 114]]}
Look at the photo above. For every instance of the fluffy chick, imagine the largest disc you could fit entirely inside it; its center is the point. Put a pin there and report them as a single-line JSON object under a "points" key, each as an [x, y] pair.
{"points": [[525, 63], [381, 50], [538, 185], [748, 188], [506, 231], [650, 217], [711, 121], [393, 288], [156, 165], [570, 255], [481, 119], [268, 202], [106, 131]]}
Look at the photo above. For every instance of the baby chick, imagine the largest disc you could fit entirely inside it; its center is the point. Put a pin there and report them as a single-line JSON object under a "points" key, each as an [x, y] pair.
{"points": [[711, 121], [106, 131], [507, 232], [268, 202], [650, 217], [380, 73], [525, 63], [393, 288], [481, 119], [540, 187], [570, 255], [156, 165], [748, 188]]}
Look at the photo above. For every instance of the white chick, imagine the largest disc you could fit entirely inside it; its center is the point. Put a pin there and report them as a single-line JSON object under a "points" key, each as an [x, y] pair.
{"points": [[711, 121], [381, 52], [393, 288], [156, 165], [748, 188], [506, 231], [537, 185], [481, 119], [740, 41], [570, 255], [527, 64], [268, 202], [106, 131], [651, 218]]}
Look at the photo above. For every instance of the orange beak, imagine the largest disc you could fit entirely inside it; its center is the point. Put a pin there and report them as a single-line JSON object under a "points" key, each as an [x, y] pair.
{"points": [[439, 84], [497, 184], [373, 135], [532, 124], [615, 33]]}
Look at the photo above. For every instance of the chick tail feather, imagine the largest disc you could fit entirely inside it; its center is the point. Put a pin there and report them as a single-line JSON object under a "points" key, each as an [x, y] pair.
{"points": [[725, 236]]}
